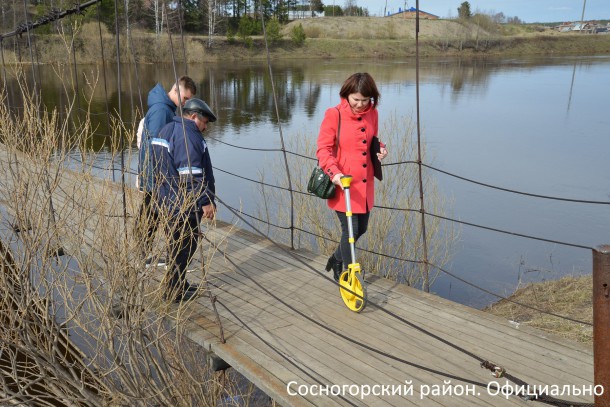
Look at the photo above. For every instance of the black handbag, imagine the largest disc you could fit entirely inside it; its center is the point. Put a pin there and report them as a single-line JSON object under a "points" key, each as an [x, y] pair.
{"points": [[320, 183]]}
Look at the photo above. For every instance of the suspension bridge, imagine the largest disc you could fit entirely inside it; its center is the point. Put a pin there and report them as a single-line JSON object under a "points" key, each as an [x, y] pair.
{"points": [[275, 316]]}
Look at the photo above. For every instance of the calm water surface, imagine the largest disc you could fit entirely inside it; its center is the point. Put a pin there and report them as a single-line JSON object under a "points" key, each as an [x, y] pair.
{"points": [[535, 125]]}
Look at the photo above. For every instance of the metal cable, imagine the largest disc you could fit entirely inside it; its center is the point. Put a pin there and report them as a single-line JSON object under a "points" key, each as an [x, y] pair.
{"points": [[515, 191], [480, 360]]}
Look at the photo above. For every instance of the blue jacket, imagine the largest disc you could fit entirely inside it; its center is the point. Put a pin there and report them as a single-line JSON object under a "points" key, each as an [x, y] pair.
{"points": [[183, 187], [161, 111]]}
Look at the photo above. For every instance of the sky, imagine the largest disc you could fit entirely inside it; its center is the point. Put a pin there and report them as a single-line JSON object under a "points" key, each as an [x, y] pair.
{"points": [[529, 11]]}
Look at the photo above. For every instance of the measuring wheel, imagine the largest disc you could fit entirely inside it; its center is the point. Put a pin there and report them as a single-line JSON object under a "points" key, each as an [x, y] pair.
{"points": [[352, 288]]}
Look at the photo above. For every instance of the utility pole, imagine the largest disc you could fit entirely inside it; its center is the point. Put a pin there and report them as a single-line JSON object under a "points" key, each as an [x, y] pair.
{"points": [[582, 16]]}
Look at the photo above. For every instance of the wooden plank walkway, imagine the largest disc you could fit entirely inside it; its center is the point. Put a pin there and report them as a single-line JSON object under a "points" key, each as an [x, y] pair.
{"points": [[285, 325]]}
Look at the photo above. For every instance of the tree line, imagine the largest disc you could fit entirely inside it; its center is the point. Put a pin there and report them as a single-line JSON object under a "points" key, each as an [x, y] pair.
{"points": [[213, 17]]}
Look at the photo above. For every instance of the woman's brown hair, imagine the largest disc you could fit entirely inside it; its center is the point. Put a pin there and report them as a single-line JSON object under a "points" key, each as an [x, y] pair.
{"points": [[362, 83]]}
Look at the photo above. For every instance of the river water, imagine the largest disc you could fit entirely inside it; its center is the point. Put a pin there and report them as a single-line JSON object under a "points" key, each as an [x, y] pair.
{"points": [[536, 125]]}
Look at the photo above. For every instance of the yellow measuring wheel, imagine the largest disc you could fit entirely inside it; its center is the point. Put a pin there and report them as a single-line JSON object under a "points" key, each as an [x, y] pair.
{"points": [[351, 283]]}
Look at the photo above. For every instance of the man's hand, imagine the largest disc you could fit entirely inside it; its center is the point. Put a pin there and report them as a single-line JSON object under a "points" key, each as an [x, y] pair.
{"points": [[209, 211]]}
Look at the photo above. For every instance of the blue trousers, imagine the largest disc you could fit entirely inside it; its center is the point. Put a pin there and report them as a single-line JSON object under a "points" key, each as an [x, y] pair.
{"points": [[182, 247]]}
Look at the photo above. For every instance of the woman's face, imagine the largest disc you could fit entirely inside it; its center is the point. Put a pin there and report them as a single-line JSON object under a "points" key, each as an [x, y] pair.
{"points": [[357, 102]]}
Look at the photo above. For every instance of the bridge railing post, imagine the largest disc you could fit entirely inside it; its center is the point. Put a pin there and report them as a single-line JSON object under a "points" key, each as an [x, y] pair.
{"points": [[601, 323]]}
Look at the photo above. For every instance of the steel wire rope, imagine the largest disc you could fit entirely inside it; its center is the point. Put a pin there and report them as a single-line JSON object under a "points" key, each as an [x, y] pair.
{"points": [[515, 191], [416, 262], [53, 16], [133, 55], [422, 207], [95, 211], [182, 37], [99, 29], [390, 256], [541, 239], [278, 351], [526, 396], [4, 74], [420, 262], [266, 222], [97, 167], [391, 314], [508, 299], [580, 246], [119, 101], [37, 100], [279, 125], [336, 332], [408, 260]]}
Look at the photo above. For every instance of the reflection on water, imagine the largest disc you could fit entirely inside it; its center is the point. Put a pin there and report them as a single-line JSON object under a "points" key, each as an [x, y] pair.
{"points": [[535, 125]]}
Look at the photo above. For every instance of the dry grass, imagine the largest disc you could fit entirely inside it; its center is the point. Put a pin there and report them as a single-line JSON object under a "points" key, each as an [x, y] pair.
{"points": [[569, 296], [391, 232], [341, 37]]}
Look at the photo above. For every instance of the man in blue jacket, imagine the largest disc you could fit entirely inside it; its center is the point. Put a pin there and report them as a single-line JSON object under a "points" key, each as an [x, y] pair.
{"points": [[184, 182], [161, 110]]}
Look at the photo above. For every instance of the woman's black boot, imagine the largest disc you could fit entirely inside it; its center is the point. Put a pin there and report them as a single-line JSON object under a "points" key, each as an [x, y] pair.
{"points": [[336, 266]]}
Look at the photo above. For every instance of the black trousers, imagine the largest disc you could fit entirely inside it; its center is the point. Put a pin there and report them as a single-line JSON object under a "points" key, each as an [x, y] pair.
{"points": [[182, 247], [360, 222], [147, 223]]}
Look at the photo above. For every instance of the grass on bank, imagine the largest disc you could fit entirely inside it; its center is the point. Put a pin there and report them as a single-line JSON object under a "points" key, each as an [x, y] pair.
{"points": [[569, 296], [343, 38], [392, 235]]}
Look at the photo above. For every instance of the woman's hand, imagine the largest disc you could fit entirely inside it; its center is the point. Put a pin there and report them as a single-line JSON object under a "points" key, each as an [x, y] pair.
{"points": [[337, 180], [383, 152]]}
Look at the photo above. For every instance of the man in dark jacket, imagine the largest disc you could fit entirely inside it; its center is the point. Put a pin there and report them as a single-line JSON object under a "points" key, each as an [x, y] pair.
{"points": [[161, 110], [184, 182]]}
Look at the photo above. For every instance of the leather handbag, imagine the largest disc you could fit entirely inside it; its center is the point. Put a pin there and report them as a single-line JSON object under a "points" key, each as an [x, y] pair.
{"points": [[320, 183]]}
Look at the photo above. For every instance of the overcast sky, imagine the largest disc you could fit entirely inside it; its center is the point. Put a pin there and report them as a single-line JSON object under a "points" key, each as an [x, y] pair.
{"points": [[529, 11]]}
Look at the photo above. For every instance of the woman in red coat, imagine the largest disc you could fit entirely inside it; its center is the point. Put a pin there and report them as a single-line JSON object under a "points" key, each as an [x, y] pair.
{"points": [[358, 114]]}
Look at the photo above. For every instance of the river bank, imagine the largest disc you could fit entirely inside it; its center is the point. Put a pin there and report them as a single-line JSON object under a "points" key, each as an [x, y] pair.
{"points": [[569, 296], [344, 38]]}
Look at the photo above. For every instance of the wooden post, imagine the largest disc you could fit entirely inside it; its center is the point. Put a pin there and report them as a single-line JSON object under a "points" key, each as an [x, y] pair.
{"points": [[601, 323]]}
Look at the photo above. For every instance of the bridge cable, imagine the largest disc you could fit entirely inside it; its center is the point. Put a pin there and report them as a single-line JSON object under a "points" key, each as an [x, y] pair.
{"points": [[99, 27], [422, 207], [483, 362], [448, 219], [279, 125], [119, 101]]}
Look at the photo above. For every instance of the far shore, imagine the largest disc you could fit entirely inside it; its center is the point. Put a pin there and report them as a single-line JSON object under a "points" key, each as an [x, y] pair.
{"points": [[326, 38]]}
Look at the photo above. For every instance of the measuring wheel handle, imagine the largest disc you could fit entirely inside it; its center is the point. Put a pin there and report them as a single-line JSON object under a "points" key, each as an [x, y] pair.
{"points": [[351, 283]]}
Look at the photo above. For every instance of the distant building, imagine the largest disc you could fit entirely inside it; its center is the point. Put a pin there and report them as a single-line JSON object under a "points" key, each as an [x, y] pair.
{"points": [[300, 14], [412, 13]]}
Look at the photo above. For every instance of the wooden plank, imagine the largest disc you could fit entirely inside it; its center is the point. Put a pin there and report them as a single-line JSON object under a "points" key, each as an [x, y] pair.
{"points": [[284, 319]]}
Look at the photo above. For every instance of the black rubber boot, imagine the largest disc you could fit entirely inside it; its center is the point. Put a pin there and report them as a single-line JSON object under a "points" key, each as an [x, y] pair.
{"points": [[336, 266]]}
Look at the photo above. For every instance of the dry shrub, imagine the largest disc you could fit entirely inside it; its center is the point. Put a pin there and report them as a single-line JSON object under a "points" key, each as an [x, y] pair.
{"points": [[91, 324], [313, 31], [396, 233]]}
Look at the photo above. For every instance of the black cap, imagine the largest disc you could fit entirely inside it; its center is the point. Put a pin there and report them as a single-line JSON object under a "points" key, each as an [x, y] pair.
{"points": [[199, 106]]}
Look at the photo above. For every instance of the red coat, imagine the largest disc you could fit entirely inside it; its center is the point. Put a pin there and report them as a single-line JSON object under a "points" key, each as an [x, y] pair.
{"points": [[352, 157]]}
